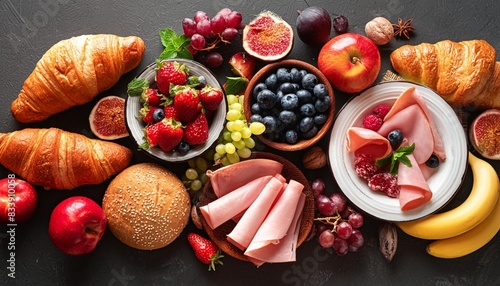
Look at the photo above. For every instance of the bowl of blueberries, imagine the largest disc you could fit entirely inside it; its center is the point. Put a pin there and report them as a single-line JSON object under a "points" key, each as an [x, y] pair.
{"points": [[295, 102]]}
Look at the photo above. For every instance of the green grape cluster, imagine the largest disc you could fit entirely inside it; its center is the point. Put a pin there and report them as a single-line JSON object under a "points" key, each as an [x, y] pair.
{"points": [[195, 176], [236, 141]]}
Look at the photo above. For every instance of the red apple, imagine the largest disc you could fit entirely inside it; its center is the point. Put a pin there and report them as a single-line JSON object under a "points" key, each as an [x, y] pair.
{"points": [[350, 61], [18, 200], [76, 225]]}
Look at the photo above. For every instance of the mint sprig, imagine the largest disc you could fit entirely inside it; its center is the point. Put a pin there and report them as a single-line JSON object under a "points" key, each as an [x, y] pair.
{"points": [[396, 157], [175, 46], [137, 86], [235, 85]]}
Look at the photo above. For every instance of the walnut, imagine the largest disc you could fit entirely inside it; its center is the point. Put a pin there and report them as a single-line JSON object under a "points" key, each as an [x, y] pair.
{"points": [[379, 30], [314, 158]]}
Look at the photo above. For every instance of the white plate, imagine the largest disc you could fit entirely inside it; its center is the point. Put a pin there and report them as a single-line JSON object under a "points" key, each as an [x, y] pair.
{"points": [[444, 183], [136, 126]]}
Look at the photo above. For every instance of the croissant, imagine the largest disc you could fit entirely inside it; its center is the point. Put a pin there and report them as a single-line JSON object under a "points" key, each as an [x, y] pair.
{"points": [[463, 73], [57, 159], [73, 71]]}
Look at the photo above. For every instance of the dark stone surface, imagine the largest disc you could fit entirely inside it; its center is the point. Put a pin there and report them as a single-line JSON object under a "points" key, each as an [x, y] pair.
{"points": [[29, 28]]}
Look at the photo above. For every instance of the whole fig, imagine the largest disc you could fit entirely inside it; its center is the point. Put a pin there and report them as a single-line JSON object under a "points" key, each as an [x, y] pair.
{"points": [[314, 25]]}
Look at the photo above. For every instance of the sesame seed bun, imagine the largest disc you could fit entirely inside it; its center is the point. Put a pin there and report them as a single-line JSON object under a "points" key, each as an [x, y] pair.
{"points": [[147, 206]]}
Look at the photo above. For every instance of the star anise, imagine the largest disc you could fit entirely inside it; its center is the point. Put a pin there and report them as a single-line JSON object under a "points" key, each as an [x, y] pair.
{"points": [[403, 28]]}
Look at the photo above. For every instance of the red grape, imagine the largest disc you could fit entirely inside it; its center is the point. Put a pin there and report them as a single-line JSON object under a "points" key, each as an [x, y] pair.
{"points": [[326, 239], [320, 227], [229, 34], [340, 246], [339, 201], [218, 24], [356, 239], [203, 27], [200, 15], [224, 12], [344, 230], [189, 27], [214, 59], [318, 186], [233, 20], [198, 41], [356, 220], [325, 205]]}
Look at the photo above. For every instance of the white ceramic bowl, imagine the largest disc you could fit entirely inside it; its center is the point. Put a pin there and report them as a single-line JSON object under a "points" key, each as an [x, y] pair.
{"points": [[444, 183], [136, 126]]}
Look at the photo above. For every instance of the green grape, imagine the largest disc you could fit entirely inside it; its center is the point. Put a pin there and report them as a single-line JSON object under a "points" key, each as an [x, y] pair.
{"points": [[244, 152], [209, 154], [257, 128], [218, 156], [245, 132], [192, 163], [239, 144], [196, 185], [230, 149], [236, 106], [241, 99], [220, 149], [201, 164], [238, 125], [191, 174], [230, 126], [225, 161], [227, 135], [231, 98], [233, 115], [233, 158], [204, 178], [236, 136], [249, 142]]}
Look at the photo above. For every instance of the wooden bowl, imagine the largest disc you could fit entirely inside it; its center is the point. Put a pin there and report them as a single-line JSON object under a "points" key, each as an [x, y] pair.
{"points": [[290, 171], [261, 75]]}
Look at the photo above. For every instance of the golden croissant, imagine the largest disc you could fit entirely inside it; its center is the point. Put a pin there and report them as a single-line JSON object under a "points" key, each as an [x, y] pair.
{"points": [[57, 159], [73, 71], [464, 73]]}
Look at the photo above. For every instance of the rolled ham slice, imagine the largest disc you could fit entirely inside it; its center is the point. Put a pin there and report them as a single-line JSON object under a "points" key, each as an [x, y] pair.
{"points": [[226, 207], [231, 177], [247, 226], [366, 141], [278, 221], [415, 191]]}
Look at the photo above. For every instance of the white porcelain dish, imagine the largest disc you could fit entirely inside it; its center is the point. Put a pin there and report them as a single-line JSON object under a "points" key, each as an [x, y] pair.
{"points": [[444, 183], [136, 126]]}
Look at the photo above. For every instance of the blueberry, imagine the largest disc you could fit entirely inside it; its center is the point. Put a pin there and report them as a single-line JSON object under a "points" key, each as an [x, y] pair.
{"points": [[291, 137], [198, 82], [290, 101], [395, 137], [320, 91], [158, 114], [183, 148], [270, 123], [258, 88], [271, 81], [320, 119], [309, 81], [306, 124], [255, 108], [303, 73], [307, 110], [283, 75], [280, 95], [287, 116], [287, 87], [304, 95], [295, 75], [256, 118], [432, 162], [267, 99], [311, 133], [322, 105]]}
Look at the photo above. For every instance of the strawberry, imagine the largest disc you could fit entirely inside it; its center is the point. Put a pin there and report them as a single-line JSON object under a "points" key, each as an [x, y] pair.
{"points": [[170, 134], [151, 97], [211, 97], [186, 101], [205, 250], [146, 113], [151, 136], [171, 112], [196, 132], [242, 65], [170, 73]]}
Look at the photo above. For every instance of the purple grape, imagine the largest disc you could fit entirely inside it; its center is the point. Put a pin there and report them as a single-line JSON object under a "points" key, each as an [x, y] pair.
{"points": [[318, 186], [200, 15], [233, 20], [229, 34], [218, 24], [189, 27], [356, 239], [340, 246], [326, 239], [340, 24], [356, 220], [344, 230], [214, 59], [203, 27], [339, 201], [198, 41], [325, 206]]}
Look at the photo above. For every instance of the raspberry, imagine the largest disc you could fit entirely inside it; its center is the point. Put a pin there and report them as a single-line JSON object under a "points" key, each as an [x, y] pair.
{"points": [[381, 110], [385, 182], [364, 166], [373, 122]]}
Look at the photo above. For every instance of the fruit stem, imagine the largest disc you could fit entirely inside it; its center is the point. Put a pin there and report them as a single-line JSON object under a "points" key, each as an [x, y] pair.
{"points": [[354, 60]]}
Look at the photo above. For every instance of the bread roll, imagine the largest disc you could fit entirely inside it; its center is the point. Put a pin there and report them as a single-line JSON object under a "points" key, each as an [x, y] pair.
{"points": [[147, 206]]}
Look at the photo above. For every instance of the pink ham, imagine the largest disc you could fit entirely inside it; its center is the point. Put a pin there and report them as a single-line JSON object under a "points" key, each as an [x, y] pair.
{"points": [[229, 178], [366, 141], [285, 250], [409, 97], [247, 226], [416, 129], [278, 221], [415, 191], [226, 207]]}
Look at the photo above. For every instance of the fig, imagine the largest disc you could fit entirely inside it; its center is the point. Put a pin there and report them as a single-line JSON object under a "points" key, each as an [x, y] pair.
{"points": [[314, 25], [484, 134], [268, 37], [107, 118]]}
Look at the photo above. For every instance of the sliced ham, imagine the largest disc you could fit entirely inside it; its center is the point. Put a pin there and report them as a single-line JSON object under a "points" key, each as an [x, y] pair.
{"points": [[366, 141], [227, 207], [415, 191], [276, 224], [416, 129], [247, 226], [231, 177], [409, 97]]}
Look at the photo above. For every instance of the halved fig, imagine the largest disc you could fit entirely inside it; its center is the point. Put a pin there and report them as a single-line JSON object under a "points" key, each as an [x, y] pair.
{"points": [[484, 134], [107, 118]]}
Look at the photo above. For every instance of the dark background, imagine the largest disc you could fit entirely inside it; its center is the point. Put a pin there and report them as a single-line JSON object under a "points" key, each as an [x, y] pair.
{"points": [[29, 28]]}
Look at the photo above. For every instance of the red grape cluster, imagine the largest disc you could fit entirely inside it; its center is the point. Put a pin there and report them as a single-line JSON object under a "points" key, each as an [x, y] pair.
{"points": [[206, 33], [337, 223]]}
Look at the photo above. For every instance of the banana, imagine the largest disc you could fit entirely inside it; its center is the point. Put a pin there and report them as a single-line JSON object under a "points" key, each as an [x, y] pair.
{"points": [[479, 204], [469, 241]]}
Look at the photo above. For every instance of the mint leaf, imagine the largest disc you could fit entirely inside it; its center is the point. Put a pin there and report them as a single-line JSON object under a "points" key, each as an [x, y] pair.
{"points": [[137, 86], [175, 46], [396, 157], [235, 85]]}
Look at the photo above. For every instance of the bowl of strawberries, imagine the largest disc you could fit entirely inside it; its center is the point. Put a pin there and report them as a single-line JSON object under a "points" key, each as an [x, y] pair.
{"points": [[175, 109]]}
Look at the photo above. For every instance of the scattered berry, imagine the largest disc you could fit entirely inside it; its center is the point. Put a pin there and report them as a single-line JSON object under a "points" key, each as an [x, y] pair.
{"points": [[381, 110], [205, 250], [372, 122], [432, 162], [395, 137]]}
